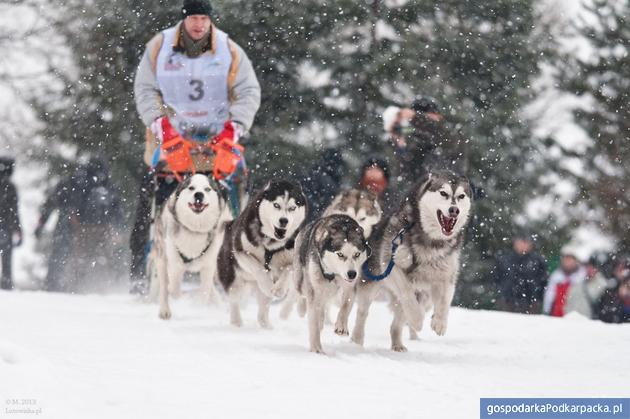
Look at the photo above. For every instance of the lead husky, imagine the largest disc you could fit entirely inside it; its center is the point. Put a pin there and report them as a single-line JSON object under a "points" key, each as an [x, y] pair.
{"points": [[188, 236], [258, 247], [432, 217], [331, 252]]}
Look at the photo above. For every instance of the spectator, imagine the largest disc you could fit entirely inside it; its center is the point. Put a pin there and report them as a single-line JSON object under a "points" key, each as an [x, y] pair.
{"points": [[520, 277], [615, 302], [423, 140], [569, 274], [84, 199], [374, 177], [584, 297], [10, 230]]}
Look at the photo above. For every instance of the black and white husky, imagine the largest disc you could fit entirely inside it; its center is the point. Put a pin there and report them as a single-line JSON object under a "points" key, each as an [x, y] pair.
{"points": [[258, 247], [188, 236], [331, 251], [432, 219]]}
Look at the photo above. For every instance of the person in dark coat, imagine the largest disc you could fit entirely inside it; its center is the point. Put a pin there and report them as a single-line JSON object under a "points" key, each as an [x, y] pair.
{"points": [[614, 305], [521, 276], [423, 140], [10, 228], [86, 198], [322, 181]]}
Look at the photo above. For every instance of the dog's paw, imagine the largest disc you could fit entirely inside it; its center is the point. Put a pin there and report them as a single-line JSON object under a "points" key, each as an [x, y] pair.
{"points": [[357, 339], [318, 350], [165, 313], [399, 347], [438, 324], [341, 330]]}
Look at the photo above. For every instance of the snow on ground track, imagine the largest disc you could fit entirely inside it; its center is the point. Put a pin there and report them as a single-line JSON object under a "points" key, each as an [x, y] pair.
{"points": [[111, 357]]}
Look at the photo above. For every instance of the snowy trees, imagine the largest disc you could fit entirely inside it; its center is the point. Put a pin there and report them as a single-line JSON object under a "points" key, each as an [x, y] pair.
{"points": [[603, 79]]}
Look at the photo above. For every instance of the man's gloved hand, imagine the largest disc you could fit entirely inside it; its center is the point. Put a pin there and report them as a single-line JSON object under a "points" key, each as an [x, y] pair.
{"points": [[163, 130], [173, 148], [232, 132], [228, 153]]}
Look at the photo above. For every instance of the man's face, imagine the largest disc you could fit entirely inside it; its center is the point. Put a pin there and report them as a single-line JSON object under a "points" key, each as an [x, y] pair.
{"points": [[374, 180], [522, 246], [197, 26], [569, 263]]}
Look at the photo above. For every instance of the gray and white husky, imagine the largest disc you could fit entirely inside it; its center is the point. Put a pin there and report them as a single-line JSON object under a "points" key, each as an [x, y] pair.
{"points": [[433, 217], [360, 205], [188, 236], [258, 247], [331, 251], [363, 207]]}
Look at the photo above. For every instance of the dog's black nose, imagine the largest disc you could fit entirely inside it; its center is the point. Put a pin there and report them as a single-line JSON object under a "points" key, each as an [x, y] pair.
{"points": [[352, 274], [198, 196], [283, 222], [453, 212]]}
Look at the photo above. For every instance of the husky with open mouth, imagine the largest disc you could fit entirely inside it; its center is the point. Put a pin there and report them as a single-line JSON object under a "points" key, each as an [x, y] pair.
{"points": [[430, 227], [331, 251], [258, 247], [188, 236]]}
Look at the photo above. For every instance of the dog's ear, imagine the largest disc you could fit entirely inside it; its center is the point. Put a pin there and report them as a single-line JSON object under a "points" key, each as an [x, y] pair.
{"points": [[321, 233], [183, 185]]}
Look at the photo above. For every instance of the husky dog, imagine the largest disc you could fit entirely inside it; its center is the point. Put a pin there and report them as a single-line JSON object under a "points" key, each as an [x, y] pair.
{"points": [[258, 247], [363, 207], [432, 219], [360, 205], [188, 236], [331, 251]]}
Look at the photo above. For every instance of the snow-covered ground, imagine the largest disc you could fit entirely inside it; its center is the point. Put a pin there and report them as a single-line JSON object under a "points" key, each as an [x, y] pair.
{"points": [[95, 356]]}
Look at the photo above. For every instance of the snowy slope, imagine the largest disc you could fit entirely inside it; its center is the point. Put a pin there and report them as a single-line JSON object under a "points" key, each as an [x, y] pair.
{"points": [[111, 357]]}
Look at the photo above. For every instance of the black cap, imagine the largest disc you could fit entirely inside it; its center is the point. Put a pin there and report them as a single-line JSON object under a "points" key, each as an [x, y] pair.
{"points": [[196, 7], [425, 104]]}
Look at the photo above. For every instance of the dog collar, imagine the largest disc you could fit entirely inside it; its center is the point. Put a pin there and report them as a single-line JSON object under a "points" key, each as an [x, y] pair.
{"points": [[187, 260], [328, 277]]}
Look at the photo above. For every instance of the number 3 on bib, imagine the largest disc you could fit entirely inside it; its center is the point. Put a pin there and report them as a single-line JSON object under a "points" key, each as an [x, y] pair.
{"points": [[197, 86]]}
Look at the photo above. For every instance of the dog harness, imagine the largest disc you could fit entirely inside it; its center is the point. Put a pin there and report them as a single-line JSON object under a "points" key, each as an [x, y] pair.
{"points": [[396, 242], [269, 253], [187, 260]]}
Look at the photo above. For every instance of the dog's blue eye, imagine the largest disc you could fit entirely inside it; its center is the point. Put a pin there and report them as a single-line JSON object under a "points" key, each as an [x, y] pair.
{"points": [[357, 254], [462, 196], [207, 189], [276, 206], [444, 194], [341, 256], [291, 209]]}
